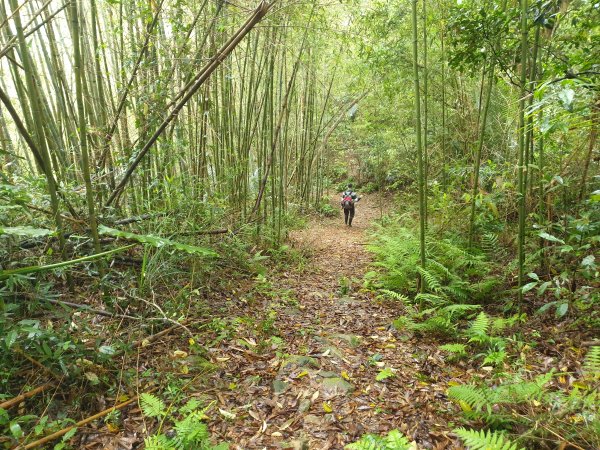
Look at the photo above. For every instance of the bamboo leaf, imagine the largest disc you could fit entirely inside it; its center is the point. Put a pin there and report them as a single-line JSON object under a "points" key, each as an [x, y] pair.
{"points": [[26, 231], [156, 241]]}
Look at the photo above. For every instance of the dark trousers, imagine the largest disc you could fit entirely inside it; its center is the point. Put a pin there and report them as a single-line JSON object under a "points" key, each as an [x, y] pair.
{"points": [[349, 215]]}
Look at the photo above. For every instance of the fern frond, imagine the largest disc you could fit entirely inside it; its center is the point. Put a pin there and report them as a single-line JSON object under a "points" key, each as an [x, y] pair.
{"points": [[158, 442], [152, 406], [477, 398], [521, 391], [489, 244], [430, 298], [459, 309], [459, 349], [440, 268], [457, 290], [591, 364], [395, 440], [431, 280], [480, 325], [436, 324], [191, 432], [479, 440], [495, 357], [395, 295], [403, 323]]}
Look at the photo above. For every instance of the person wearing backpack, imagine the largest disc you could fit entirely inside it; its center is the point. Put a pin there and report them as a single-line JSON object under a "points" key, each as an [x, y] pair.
{"points": [[349, 199]]}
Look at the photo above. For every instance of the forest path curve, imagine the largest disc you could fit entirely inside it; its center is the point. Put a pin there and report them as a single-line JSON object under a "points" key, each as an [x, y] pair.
{"points": [[319, 391]]}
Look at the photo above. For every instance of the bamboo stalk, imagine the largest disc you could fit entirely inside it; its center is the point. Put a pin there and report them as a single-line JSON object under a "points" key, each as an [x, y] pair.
{"points": [[19, 398]]}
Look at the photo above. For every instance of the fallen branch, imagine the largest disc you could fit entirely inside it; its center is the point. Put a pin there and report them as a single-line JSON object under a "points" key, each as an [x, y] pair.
{"points": [[64, 431], [138, 218], [87, 308], [19, 398], [148, 340]]}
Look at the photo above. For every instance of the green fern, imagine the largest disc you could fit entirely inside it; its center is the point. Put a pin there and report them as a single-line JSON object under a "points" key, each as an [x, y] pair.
{"points": [[395, 295], [489, 244], [395, 440], [591, 364], [479, 440], [479, 327], [191, 432], [158, 442], [404, 323], [459, 309], [457, 289], [475, 397], [437, 325], [495, 358], [429, 298], [458, 349], [152, 406], [440, 268], [431, 280]]}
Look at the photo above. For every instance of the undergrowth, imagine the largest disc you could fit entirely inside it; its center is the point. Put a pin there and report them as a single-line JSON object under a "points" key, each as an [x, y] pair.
{"points": [[455, 301]]}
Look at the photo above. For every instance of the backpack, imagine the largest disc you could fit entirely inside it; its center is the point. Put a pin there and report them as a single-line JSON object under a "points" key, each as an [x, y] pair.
{"points": [[347, 201]]}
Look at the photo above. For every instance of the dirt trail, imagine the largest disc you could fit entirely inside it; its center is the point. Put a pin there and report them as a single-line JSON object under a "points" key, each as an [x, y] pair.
{"points": [[317, 389]]}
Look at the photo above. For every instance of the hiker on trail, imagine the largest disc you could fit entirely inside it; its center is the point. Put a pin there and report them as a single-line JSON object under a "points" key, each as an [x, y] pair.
{"points": [[349, 199]]}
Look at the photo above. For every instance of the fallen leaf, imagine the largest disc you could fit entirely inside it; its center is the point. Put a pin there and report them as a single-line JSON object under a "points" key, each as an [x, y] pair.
{"points": [[227, 414]]}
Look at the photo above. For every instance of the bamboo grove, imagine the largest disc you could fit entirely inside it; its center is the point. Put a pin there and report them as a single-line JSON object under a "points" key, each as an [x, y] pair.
{"points": [[502, 114], [121, 105]]}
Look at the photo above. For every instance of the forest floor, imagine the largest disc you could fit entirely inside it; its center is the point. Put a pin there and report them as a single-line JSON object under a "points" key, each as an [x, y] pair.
{"points": [[301, 356], [316, 387]]}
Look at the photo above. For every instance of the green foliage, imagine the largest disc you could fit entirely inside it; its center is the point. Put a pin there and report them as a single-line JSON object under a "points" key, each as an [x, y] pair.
{"points": [[395, 295], [591, 364], [457, 349], [483, 398], [384, 374], [152, 406], [480, 440], [189, 432], [397, 251], [394, 440], [479, 327]]}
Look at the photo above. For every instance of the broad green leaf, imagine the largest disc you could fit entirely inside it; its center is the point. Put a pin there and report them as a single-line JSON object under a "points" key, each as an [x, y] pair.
{"points": [[107, 350], [562, 309], [533, 276], [550, 238], [15, 430], [92, 378], [10, 338], [543, 287], [589, 261], [528, 286]]}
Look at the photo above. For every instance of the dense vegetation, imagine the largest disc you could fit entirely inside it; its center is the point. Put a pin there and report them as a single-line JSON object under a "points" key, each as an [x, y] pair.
{"points": [[156, 155]]}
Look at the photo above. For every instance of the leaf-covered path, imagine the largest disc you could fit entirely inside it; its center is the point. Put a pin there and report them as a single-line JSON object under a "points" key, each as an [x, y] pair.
{"points": [[317, 388]]}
